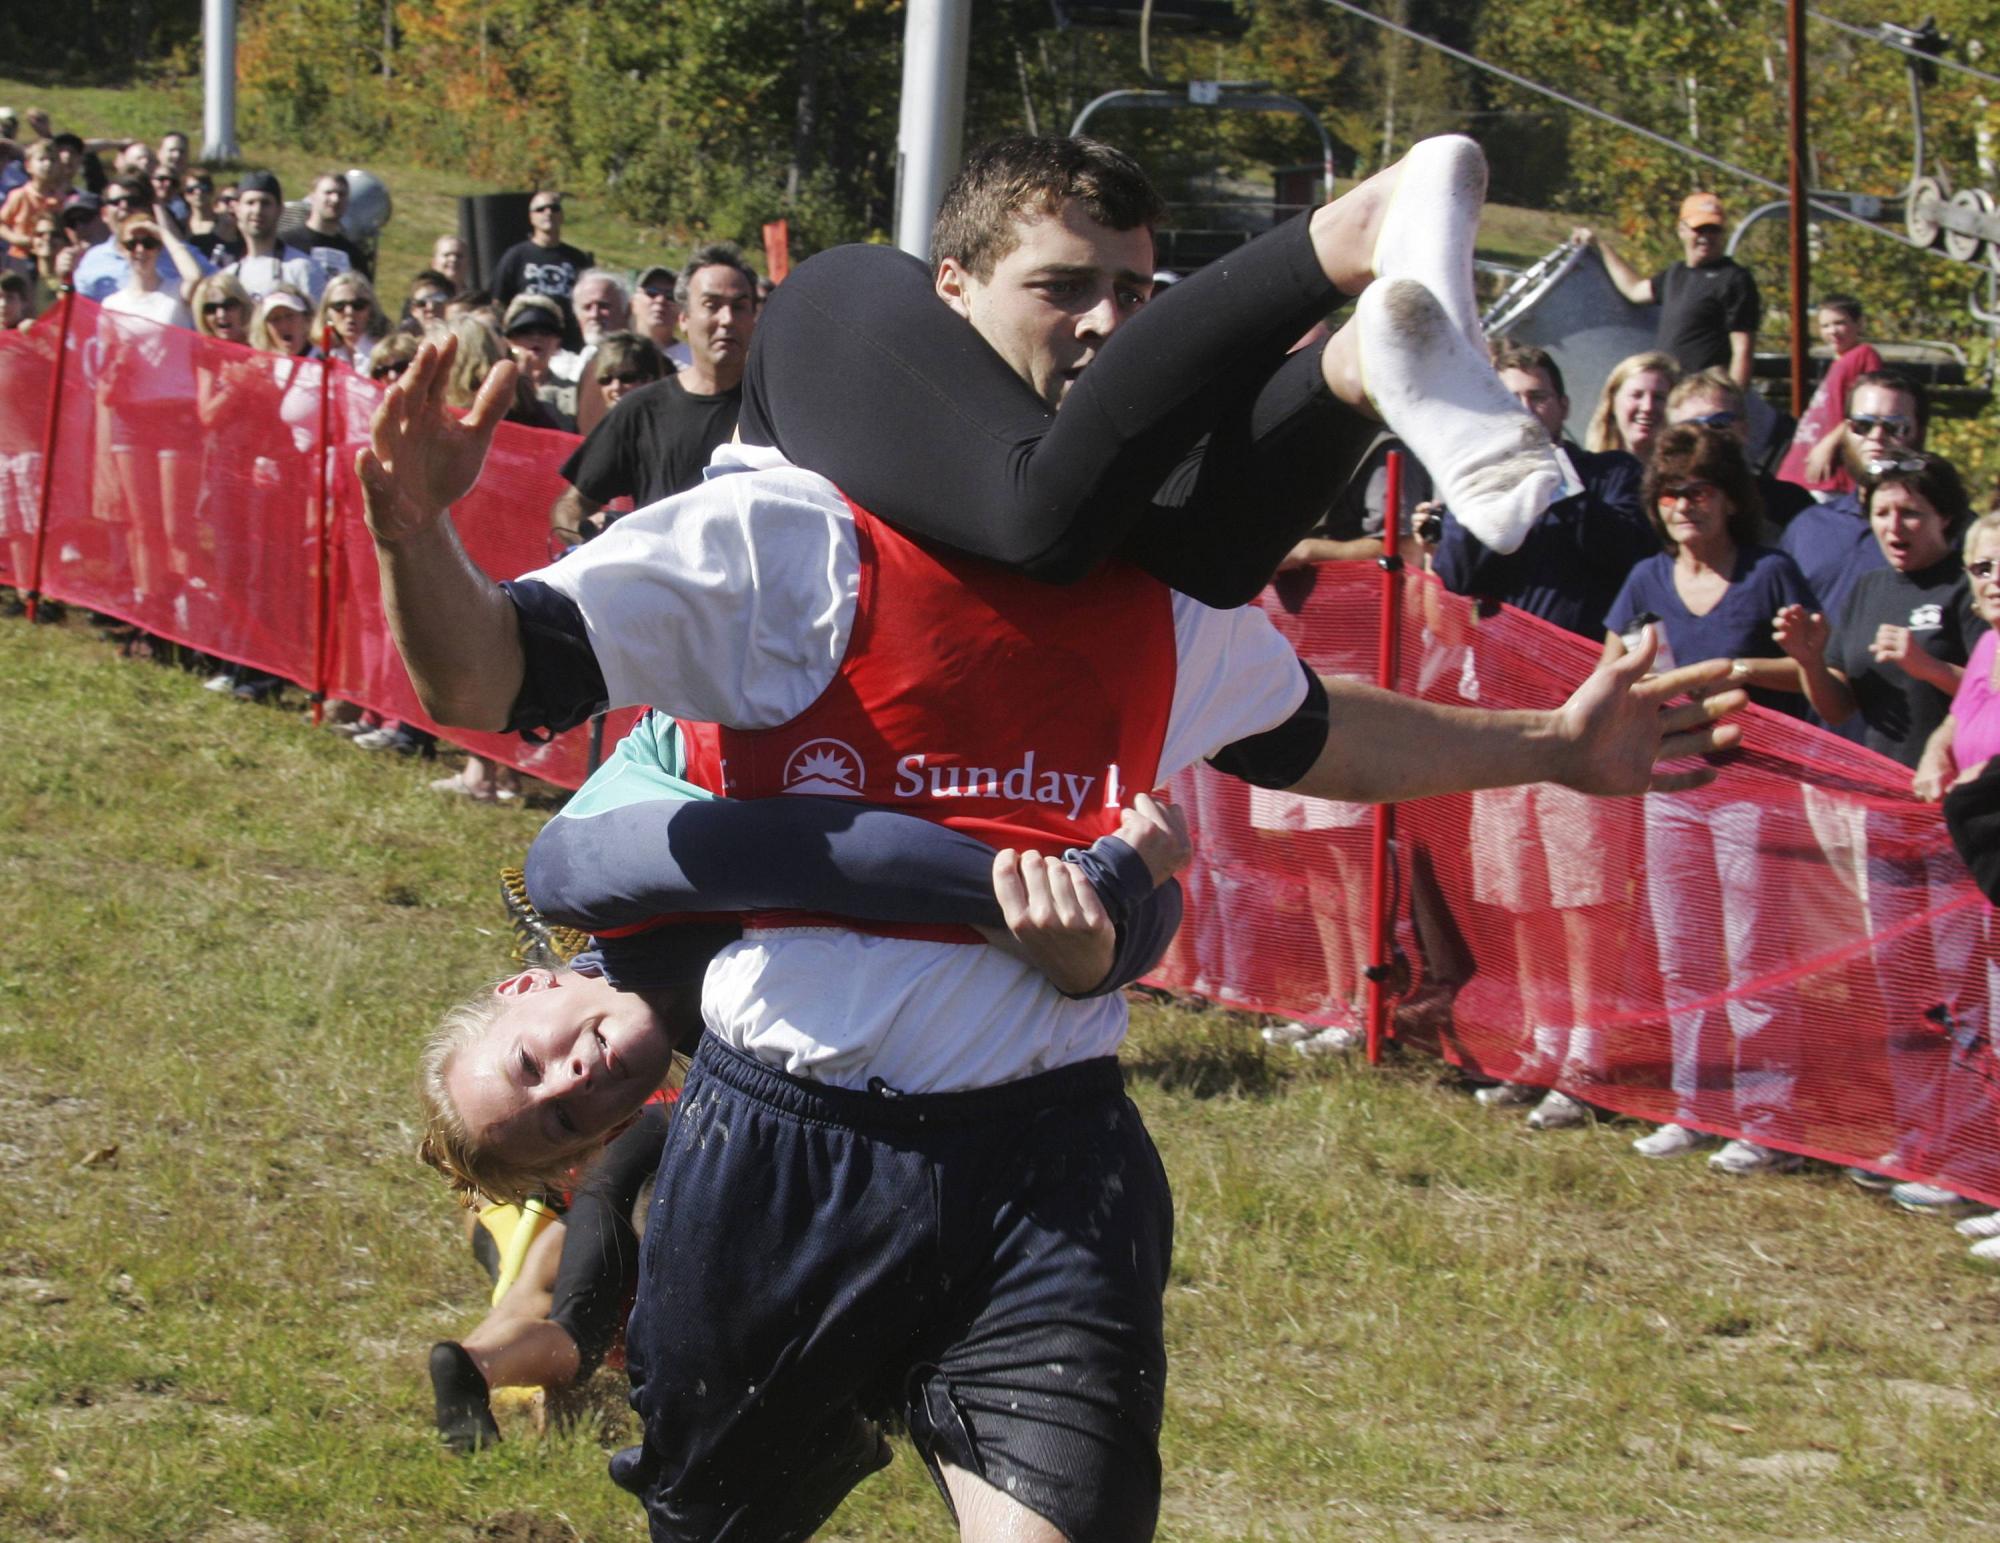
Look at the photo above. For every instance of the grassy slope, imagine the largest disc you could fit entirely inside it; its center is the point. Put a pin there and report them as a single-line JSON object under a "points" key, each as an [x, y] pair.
{"points": [[1394, 1314]]}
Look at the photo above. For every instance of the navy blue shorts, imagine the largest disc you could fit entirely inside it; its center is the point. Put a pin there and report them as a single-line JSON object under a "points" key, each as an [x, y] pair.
{"points": [[989, 1264]]}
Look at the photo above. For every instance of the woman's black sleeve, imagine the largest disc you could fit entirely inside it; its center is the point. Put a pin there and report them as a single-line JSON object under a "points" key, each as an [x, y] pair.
{"points": [[859, 372]]}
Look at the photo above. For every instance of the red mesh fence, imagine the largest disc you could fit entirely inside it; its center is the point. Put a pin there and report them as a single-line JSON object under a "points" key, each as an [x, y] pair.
{"points": [[1793, 954], [185, 496]]}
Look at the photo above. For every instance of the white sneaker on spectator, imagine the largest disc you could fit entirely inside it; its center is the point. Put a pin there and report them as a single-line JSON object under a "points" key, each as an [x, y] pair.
{"points": [[1504, 1095], [1987, 1226], [1931, 1199], [224, 682], [1558, 1111], [1986, 1251], [1745, 1157], [374, 739], [1333, 1041], [1670, 1141], [1286, 1033]]}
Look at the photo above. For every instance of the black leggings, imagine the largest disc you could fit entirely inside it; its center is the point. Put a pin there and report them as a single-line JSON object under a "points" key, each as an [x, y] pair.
{"points": [[1195, 445], [600, 1253]]}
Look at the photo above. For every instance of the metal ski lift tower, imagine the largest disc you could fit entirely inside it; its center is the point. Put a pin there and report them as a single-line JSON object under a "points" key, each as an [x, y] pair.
{"points": [[930, 130], [218, 80]]}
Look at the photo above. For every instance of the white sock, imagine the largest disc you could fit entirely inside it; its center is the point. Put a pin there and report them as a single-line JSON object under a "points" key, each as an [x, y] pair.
{"points": [[1431, 226], [1491, 463]]}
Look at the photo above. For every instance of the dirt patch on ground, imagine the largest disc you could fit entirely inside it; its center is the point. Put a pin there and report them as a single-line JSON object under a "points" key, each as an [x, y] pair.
{"points": [[523, 1527]]}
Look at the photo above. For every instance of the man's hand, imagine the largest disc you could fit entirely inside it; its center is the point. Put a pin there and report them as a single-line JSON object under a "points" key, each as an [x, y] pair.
{"points": [[1619, 727], [1802, 634], [1157, 831], [1824, 457], [1057, 921], [422, 457]]}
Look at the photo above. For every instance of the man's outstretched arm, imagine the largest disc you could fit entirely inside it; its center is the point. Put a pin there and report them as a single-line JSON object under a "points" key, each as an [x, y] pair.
{"points": [[1609, 737], [456, 629]]}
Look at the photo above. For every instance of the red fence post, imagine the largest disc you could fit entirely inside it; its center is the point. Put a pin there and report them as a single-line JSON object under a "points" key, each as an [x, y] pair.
{"points": [[323, 590], [1381, 926], [49, 454]]}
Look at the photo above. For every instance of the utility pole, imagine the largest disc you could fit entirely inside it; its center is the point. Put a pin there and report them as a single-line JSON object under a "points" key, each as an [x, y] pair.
{"points": [[930, 135], [218, 80], [1795, 61]]}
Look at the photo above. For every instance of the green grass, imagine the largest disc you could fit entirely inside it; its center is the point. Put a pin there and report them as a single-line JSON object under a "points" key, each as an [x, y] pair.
{"points": [[1393, 1314]]}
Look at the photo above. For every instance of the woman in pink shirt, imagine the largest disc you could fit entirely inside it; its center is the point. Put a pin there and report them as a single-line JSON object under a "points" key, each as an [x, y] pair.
{"points": [[1970, 736]]}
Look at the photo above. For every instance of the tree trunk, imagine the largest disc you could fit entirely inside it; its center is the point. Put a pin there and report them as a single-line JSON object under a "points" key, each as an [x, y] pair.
{"points": [[805, 121]]}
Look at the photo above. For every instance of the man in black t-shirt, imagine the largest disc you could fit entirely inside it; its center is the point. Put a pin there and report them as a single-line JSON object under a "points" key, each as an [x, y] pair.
{"points": [[319, 235], [656, 440], [544, 264], [1709, 307]]}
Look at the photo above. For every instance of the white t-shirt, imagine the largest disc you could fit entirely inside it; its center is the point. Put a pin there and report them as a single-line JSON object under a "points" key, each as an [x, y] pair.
{"points": [[732, 603], [260, 275]]}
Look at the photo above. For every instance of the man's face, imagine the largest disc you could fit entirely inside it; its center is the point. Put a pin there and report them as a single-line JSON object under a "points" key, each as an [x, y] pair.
{"points": [[560, 1067], [721, 315], [257, 214], [329, 201], [1880, 421], [1532, 390], [545, 216], [1702, 244], [174, 153], [1716, 413], [599, 308], [448, 258], [1051, 303], [1838, 330], [654, 312], [136, 159]]}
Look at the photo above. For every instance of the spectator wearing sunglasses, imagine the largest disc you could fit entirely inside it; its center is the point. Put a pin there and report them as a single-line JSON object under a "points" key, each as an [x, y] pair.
{"points": [[1712, 399], [544, 264], [211, 229], [621, 363], [1887, 417], [349, 311], [657, 315], [166, 188], [424, 307], [102, 271]]}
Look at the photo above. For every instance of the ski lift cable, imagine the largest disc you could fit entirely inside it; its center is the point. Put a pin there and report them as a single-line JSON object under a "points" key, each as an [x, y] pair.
{"points": [[1829, 211], [1869, 35]]}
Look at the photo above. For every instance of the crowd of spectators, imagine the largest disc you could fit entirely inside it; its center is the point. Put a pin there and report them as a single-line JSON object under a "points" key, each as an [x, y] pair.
{"points": [[1837, 564], [152, 236]]}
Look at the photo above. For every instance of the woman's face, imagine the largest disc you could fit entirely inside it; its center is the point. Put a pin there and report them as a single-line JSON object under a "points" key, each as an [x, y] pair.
{"points": [[427, 305], [226, 317], [1640, 410], [142, 254], [565, 1064], [200, 198], [533, 351], [349, 311], [290, 327], [1985, 584], [616, 382], [1695, 513], [1910, 532]]}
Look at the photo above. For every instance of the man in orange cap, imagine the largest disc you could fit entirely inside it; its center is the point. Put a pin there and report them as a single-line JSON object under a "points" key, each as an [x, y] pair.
{"points": [[1709, 308]]}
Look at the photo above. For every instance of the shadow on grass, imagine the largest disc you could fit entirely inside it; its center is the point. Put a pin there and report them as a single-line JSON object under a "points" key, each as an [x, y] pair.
{"points": [[1205, 1054]]}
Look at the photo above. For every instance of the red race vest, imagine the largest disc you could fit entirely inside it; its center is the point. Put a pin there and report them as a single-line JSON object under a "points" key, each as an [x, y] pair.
{"points": [[1021, 713]]}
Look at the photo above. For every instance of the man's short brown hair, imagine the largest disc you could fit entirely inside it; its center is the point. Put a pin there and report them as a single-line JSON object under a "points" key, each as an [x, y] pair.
{"points": [[1028, 177], [1529, 361]]}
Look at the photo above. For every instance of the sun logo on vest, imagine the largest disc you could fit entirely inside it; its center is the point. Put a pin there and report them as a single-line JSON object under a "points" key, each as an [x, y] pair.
{"points": [[825, 766]]}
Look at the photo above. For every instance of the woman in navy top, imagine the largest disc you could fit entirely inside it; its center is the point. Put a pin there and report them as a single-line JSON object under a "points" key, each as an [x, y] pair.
{"points": [[1714, 593]]}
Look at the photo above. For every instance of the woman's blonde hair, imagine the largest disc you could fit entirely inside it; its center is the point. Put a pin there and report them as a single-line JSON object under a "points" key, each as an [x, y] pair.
{"points": [[352, 282], [1603, 433], [216, 287], [1986, 524], [470, 1169]]}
